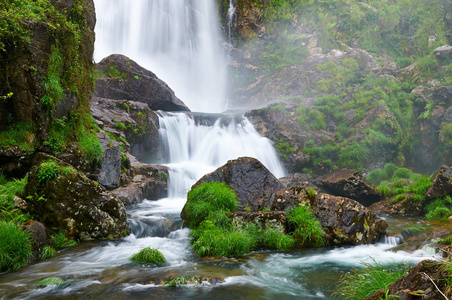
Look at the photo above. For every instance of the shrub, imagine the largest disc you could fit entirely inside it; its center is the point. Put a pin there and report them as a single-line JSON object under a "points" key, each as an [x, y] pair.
{"points": [[47, 252], [439, 209], [91, 148], [361, 283], [15, 246], [149, 255], [401, 173], [389, 170], [306, 229]]}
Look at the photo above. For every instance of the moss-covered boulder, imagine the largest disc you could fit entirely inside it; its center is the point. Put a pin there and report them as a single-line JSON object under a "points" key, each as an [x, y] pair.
{"points": [[65, 199]]}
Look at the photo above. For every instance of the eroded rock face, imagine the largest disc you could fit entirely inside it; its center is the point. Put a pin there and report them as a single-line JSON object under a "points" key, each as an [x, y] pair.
{"points": [[442, 183], [350, 184], [142, 181], [248, 177], [418, 279], [139, 85], [72, 202], [132, 122], [345, 221]]}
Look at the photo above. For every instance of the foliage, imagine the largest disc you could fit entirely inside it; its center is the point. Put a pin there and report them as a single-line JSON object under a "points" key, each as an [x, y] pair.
{"points": [[283, 148], [209, 198], [47, 252], [149, 255], [59, 240], [20, 135], [48, 170], [181, 280], [15, 246], [306, 229], [114, 73], [361, 283], [51, 281], [440, 209], [275, 239]]}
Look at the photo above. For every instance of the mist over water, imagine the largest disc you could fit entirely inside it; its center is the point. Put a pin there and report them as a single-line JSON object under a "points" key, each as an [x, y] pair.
{"points": [[177, 40]]}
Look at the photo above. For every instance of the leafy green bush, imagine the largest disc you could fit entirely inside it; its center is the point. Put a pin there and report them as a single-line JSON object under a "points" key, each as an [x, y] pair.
{"points": [[306, 229], [149, 255], [361, 283], [401, 173], [440, 209], [15, 246]]}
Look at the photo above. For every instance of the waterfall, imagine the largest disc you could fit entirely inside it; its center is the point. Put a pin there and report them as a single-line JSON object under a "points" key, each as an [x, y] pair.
{"points": [[178, 40], [200, 143]]}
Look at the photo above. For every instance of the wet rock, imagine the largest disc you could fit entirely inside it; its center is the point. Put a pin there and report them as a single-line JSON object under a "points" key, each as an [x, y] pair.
{"points": [[297, 179], [442, 183], [406, 206], [350, 184], [143, 181], [39, 235], [137, 84], [110, 167], [345, 221], [248, 177], [70, 201], [264, 219], [132, 124], [443, 53], [417, 284]]}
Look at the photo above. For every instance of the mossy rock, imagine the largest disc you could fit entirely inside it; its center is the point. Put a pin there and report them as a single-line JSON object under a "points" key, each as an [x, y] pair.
{"points": [[150, 256]]}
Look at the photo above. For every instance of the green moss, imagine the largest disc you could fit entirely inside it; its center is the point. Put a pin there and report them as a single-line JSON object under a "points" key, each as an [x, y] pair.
{"points": [[149, 255], [56, 281], [20, 135]]}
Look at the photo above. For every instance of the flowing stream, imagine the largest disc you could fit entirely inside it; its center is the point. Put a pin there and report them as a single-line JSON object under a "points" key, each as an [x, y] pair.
{"points": [[177, 39]]}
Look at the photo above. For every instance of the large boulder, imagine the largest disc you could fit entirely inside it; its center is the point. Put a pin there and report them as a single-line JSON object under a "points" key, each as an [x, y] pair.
{"points": [[248, 177], [345, 221], [65, 199], [442, 183], [132, 123], [423, 281], [124, 79], [443, 53], [350, 184]]}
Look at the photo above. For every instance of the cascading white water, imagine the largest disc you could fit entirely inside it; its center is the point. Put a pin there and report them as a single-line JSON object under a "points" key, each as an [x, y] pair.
{"points": [[196, 147], [177, 40]]}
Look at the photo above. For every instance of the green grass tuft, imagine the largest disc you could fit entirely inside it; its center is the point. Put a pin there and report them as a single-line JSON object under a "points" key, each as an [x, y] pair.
{"points": [[307, 230], [361, 283], [149, 255], [50, 281], [61, 241], [15, 246]]}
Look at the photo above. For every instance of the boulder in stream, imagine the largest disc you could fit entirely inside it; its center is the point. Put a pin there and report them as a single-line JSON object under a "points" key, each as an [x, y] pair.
{"points": [[442, 183], [248, 177], [65, 199]]}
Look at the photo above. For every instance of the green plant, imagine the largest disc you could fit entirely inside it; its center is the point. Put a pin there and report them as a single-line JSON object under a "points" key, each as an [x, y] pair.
{"points": [[149, 255], [60, 240], [275, 239], [120, 126], [47, 252], [48, 170], [91, 148], [181, 280], [440, 209], [305, 228], [19, 134], [361, 283], [50, 281], [114, 73], [15, 246], [209, 197]]}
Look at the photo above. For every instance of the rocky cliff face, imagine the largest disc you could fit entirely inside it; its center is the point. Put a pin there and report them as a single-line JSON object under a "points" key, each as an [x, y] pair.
{"points": [[45, 74]]}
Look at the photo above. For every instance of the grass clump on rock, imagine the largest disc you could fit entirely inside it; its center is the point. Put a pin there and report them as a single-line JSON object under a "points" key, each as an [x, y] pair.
{"points": [[15, 246], [214, 233], [307, 230], [361, 283], [149, 255]]}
